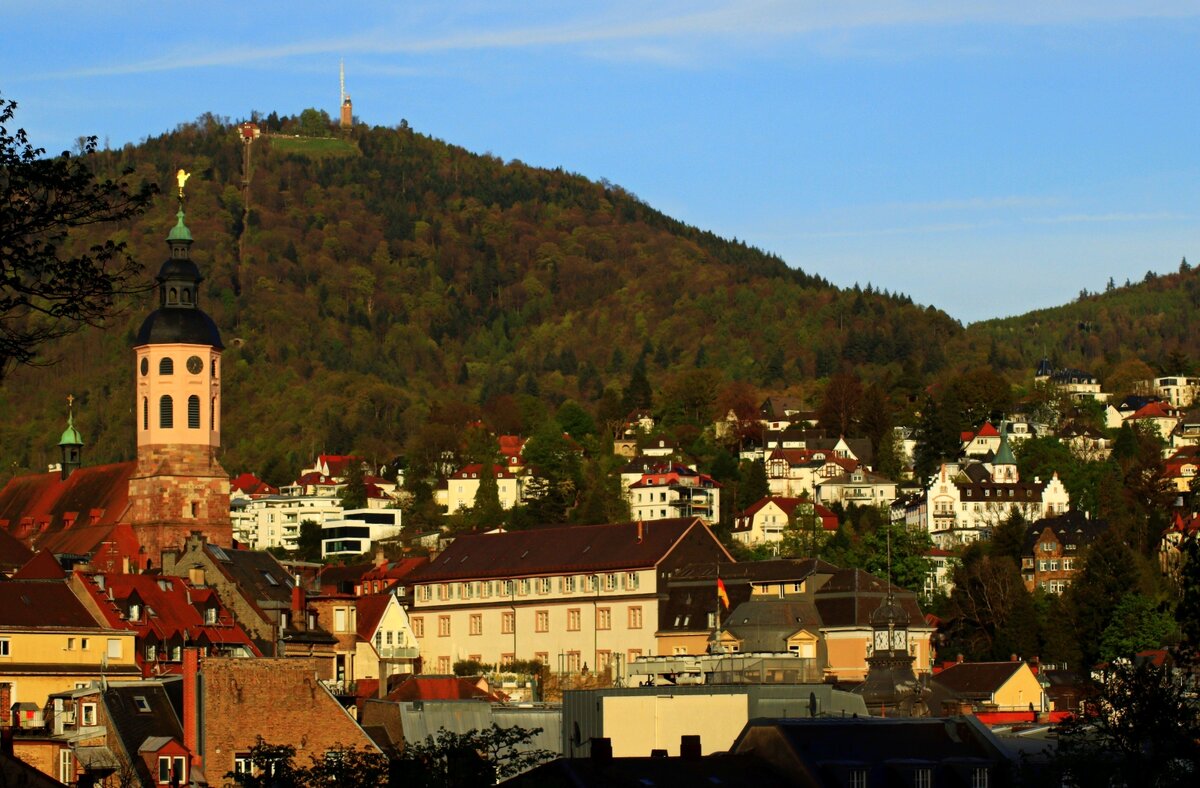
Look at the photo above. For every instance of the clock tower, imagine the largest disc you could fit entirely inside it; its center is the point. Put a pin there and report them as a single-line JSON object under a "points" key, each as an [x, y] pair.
{"points": [[891, 688], [179, 486]]}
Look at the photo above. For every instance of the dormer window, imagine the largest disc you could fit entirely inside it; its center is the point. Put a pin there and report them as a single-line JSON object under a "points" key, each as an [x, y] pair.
{"points": [[135, 612]]}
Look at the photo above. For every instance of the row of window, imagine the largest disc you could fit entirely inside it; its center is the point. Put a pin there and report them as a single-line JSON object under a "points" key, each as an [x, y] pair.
{"points": [[166, 412], [483, 589], [541, 622], [114, 646]]}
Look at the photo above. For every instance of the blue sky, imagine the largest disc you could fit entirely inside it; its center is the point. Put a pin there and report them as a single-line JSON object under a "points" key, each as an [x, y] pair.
{"points": [[985, 157]]}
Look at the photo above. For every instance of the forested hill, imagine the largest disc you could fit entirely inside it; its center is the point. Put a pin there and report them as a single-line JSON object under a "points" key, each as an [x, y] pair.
{"points": [[1145, 326], [391, 274]]}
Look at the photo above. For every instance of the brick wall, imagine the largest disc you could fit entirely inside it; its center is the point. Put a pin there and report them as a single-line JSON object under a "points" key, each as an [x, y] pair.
{"points": [[278, 699], [5, 704]]}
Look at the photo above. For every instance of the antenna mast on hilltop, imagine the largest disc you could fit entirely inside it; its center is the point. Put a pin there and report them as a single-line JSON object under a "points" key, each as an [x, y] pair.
{"points": [[345, 108], [342, 81]]}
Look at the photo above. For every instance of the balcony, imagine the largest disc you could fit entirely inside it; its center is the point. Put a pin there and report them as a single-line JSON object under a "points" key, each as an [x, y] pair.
{"points": [[399, 652]]}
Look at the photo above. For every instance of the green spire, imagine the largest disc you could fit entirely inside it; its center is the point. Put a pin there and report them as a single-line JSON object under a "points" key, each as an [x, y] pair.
{"points": [[70, 436], [180, 232], [1004, 455]]}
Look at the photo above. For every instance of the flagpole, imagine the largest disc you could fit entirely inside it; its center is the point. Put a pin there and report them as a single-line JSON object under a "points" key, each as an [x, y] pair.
{"points": [[717, 591]]}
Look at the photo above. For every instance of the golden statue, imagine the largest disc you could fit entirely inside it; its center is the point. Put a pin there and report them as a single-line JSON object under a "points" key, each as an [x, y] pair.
{"points": [[181, 177]]}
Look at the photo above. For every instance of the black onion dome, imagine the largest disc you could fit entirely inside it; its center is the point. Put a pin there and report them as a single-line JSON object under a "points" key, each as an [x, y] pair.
{"points": [[179, 326], [179, 270], [890, 612]]}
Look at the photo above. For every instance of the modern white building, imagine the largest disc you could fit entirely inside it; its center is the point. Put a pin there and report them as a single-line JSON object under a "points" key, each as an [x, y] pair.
{"points": [[357, 529], [675, 491], [274, 520]]}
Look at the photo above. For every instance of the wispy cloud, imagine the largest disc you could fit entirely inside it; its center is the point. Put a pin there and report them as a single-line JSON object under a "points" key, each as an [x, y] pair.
{"points": [[1104, 218], [657, 36]]}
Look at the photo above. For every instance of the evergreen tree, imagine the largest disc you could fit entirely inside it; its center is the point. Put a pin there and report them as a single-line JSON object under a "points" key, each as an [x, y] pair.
{"points": [[638, 393], [1137, 624], [1187, 611], [1109, 572], [354, 492], [487, 511], [753, 485]]}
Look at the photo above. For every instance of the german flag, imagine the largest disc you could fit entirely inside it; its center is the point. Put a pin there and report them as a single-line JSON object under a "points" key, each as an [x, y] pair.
{"points": [[721, 593]]}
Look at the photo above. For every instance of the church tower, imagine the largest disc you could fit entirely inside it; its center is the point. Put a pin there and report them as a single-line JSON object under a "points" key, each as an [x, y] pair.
{"points": [[179, 486]]}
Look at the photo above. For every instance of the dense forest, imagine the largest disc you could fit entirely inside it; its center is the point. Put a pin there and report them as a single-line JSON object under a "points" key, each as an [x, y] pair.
{"points": [[385, 281]]}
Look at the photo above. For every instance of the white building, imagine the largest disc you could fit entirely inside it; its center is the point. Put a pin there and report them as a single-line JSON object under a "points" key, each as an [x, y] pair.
{"points": [[766, 519], [567, 597], [274, 520], [675, 491], [858, 487], [463, 485], [357, 530]]}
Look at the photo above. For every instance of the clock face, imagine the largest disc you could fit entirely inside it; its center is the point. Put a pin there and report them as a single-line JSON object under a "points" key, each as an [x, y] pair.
{"points": [[145, 366], [194, 365], [898, 638], [881, 640]]}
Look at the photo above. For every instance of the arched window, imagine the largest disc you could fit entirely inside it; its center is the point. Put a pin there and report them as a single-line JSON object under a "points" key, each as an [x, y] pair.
{"points": [[193, 412], [145, 413], [166, 412], [166, 367], [186, 295], [172, 296]]}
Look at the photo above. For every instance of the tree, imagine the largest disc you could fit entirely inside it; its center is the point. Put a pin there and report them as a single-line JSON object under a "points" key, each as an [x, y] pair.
{"points": [[314, 123], [1187, 611], [1140, 728], [487, 512], [804, 534], [465, 760], [638, 393], [754, 485], [274, 766], [1137, 624], [354, 492], [45, 291], [841, 404], [309, 543]]}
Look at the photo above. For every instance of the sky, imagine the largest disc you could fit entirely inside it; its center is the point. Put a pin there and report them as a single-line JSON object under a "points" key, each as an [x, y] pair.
{"points": [[986, 158]]}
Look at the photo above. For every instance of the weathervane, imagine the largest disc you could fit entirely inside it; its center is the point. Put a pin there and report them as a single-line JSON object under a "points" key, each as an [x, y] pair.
{"points": [[181, 178]]}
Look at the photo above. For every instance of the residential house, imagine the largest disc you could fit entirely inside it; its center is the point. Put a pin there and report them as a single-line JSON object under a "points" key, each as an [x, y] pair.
{"points": [[983, 443], [1054, 549], [675, 491], [1161, 417], [1085, 442], [1179, 390], [463, 485], [262, 596], [123, 732], [963, 507], [569, 596], [858, 487], [988, 687], [792, 473], [940, 580], [50, 642], [274, 520], [1183, 528], [374, 639], [167, 614], [766, 519], [1187, 431], [247, 485], [779, 413], [1075, 383]]}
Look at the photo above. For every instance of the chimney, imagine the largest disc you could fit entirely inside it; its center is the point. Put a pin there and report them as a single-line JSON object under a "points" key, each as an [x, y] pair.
{"points": [[641, 531], [689, 747], [5, 704], [380, 558], [960, 659], [601, 749], [298, 606], [191, 732]]}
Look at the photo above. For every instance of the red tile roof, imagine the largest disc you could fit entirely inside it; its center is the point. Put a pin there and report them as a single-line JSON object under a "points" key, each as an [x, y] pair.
{"points": [[369, 610], [43, 566], [442, 688], [251, 485], [38, 603], [45, 510], [12, 552], [829, 520]]}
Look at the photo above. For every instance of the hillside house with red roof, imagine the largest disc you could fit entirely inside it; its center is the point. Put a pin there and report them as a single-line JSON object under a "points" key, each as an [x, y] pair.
{"points": [[766, 519], [1163, 417], [675, 491], [1184, 527], [792, 473], [565, 596], [463, 485]]}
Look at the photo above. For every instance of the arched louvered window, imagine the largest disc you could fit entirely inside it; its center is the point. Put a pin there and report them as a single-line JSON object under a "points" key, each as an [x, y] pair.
{"points": [[193, 412], [145, 413], [166, 412], [166, 367], [212, 413]]}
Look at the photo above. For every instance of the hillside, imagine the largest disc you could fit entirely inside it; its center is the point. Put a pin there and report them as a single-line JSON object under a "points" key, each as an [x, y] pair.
{"points": [[1153, 320], [392, 279]]}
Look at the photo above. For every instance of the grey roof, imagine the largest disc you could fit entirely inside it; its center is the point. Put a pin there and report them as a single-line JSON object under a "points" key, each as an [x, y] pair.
{"points": [[764, 625], [133, 727]]}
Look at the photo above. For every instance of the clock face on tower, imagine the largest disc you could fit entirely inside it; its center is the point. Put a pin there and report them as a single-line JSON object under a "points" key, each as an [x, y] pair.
{"points": [[881, 640], [898, 638], [194, 365]]}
